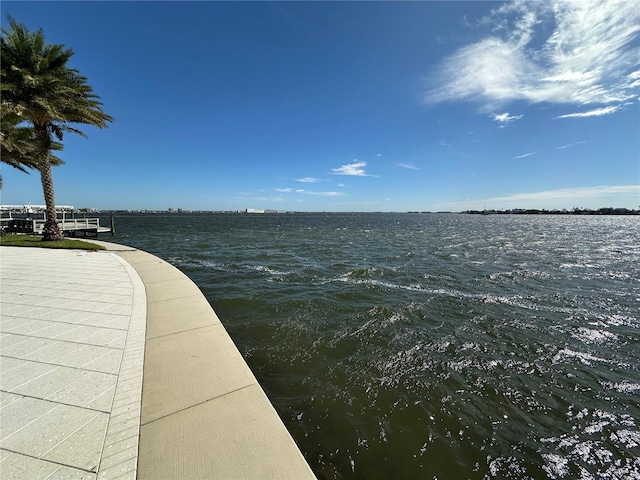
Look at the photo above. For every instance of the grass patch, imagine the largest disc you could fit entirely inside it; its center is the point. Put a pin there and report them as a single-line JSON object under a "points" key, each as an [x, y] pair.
{"points": [[36, 241]]}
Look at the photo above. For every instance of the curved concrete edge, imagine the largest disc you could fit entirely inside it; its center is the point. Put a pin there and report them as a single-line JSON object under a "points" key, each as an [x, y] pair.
{"points": [[204, 415], [121, 443]]}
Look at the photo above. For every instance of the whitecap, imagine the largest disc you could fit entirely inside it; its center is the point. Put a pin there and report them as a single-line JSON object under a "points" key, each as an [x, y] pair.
{"points": [[588, 335], [629, 438], [263, 268], [622, 387], [583, 451], [595, 427], [556, 465], [583, 357]]}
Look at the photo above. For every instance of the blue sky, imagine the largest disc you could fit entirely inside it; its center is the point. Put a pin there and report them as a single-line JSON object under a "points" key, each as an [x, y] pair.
{"points": [[348, 106]]}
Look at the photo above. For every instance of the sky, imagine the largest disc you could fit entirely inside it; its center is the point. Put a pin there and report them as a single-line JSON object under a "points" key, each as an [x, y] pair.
{"points": [[348, 106]]}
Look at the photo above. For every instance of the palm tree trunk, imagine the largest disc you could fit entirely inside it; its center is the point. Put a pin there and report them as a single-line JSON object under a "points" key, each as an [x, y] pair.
{"points": [[50, 231]]}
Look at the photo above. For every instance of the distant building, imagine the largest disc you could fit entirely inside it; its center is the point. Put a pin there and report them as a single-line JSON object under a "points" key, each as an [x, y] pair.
{"points": [[35, 208], [260, 210]]}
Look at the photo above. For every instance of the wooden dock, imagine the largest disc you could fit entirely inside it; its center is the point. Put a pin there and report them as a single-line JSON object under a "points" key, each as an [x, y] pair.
{"points": [[83, 227]]}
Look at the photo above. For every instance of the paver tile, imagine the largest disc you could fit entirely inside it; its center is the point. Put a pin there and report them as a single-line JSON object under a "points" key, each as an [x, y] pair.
{"points": [[104, 401], [99, 359], [7, 365], [79, 333], [105, 337], [109, 320], [68, 354], [21, 346], [92, 390], [3, 455], [83, 447], [43, 385], [21, 375], [51, 351], [31, 327], [8, 340], [20, 413], [16, 324], [48, 429], [21, 467], [7, 398]]}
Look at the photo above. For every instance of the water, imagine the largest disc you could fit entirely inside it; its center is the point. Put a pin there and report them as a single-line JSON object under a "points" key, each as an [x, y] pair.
{"points": [[412, 346]]}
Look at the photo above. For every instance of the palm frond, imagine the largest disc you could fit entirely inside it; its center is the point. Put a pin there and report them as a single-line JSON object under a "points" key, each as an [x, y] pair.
{"points": [[41, 98]]}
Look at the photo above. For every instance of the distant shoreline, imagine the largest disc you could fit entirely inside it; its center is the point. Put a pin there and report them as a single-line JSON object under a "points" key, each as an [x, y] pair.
{"points": [[83, 213], [515, 211], [575, 211]]}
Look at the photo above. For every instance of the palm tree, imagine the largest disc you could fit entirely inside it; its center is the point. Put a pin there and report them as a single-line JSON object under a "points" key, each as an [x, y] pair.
{"points": [[17, 142], [39, 87]]}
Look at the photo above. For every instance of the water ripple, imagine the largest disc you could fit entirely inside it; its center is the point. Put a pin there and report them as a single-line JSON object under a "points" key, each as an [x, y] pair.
{"points": [[430, 346]]}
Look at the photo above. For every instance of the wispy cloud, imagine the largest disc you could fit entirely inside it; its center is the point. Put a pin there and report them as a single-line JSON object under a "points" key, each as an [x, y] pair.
{"points": [[308, 180], [562, 147], [327, 194], [598, 112], [557, 51], [320, 194], [407, 166], [355, 169], [525, 155], [504, 118], [284, 190], [587, 197]]}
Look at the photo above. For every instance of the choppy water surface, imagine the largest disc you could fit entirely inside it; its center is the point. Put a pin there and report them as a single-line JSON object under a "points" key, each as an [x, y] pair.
{"points": [[413, 346]]}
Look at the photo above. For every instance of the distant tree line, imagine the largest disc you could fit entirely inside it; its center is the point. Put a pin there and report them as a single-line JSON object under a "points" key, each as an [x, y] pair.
{"points": [[575, 211]]}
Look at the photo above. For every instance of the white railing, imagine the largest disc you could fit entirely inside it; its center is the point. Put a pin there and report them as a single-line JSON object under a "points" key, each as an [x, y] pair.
{"points": [[83, 226], [70, 225]]}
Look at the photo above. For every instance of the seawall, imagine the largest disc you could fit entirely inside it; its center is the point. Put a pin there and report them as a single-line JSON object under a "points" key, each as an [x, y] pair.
{"points": [[203, 413]]}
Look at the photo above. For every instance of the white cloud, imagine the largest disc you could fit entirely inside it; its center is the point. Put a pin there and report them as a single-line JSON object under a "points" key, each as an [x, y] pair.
{"points": [[320, 194], [525, 155], [505, 118], [598, 112], [326, 194], [576, 52], [355, 169], [407, 166], [283, 190], [308, 180], [625, 196]]}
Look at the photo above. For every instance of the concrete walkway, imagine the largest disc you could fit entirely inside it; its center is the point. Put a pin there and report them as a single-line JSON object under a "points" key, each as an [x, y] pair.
{"points": [[114, 365], [72, 349]]}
